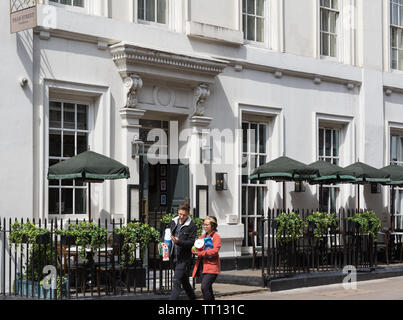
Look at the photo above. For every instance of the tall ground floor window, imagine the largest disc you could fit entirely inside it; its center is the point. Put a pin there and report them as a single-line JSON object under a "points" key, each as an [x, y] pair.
{"points": [[254, 154], [396, 158], [68, 136], [329, 151]]}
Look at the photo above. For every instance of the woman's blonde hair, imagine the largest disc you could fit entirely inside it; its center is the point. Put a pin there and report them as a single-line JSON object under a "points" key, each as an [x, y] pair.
{"points": [[213, 222]]}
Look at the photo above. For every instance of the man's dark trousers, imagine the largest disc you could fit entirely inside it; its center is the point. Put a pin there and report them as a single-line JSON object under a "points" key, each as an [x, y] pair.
{"points": [[181, 277]]}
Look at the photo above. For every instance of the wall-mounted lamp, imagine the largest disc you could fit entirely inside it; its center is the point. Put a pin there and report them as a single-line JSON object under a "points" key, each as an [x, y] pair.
{"points": [[221, 181], [299, 186], [137, 148]]}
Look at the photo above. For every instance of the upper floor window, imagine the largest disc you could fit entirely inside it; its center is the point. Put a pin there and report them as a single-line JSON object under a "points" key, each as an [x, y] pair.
{"points": [[75, 3], [329, 14], [152, 10], [253, 16], [396, 33]]}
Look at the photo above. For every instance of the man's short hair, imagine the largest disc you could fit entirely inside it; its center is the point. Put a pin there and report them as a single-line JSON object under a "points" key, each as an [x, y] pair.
{"points": [[185, 207]]}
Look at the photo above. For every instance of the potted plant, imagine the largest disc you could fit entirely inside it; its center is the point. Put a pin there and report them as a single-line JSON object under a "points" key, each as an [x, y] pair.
{"points": [[368, 223], [87, 235], [290, 227], [320, 222]]}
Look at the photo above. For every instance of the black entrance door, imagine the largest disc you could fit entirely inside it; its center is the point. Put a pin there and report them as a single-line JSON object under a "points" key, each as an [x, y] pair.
{"points": [[164, 188]]}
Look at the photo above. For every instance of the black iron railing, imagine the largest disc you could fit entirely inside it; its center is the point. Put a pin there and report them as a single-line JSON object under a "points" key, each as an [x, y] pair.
{"points": [[54, 266], [332, 250]]}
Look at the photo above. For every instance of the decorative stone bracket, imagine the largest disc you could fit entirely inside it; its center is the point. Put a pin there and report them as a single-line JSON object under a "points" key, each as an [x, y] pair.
{"points": [[133, 83], [201, 93]]}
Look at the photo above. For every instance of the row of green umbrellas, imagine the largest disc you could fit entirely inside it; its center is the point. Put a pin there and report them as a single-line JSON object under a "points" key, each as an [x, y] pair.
{"points": [[324, 173]]}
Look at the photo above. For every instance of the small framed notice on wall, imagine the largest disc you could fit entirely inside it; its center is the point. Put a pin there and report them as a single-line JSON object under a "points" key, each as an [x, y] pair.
{"points": [[163, 200]]}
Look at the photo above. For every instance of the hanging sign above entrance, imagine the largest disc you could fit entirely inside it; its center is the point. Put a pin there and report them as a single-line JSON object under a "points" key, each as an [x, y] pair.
{"points": [[23, 15]]}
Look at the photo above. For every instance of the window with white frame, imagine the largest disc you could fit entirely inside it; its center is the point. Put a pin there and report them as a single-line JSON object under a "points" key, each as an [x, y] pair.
{"points": [[329, 144], [253, 19], [396, 158], [152, 10], [74, 3], [396, 34], [329, 15], [254, 154], [68, 136]]}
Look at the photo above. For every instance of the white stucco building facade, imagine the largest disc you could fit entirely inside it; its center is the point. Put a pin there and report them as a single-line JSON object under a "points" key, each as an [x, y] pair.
{"points": [[271, 77]]}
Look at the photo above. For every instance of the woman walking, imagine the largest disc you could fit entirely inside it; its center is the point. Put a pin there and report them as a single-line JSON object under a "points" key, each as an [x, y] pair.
{"points": [[208, 256]]}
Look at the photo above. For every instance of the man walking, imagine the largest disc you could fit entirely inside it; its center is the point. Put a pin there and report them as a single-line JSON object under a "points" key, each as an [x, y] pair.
{"points": [[183, 235]]}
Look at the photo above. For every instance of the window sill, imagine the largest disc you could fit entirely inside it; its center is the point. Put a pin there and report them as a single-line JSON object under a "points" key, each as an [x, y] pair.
{"points": [[156, 25]]}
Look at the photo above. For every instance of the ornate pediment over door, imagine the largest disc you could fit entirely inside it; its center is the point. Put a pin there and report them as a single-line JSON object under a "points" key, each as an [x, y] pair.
{"points": [[163, 81]]}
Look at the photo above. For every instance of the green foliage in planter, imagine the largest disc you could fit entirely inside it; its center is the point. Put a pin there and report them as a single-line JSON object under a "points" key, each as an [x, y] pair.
{"points": [[368, 222], [322, 221], [25, 233], [136, 234], [290, 226], [87, 234], [166, 219]]}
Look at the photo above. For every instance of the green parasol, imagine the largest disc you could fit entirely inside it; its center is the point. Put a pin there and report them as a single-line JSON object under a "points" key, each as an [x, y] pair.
{"points": [[89, 166]]}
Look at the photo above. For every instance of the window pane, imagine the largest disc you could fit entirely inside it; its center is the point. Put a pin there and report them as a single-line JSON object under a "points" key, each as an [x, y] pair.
{"points": [[150, 10], [393, 148], [80, 201], [53, 182], [262, 138], [55, 115], [393, 36], [251, 6], [335, 143], [79, 3], [324, 20], [332, 22], [395, 14], [251, 201], [82, 117], [400, 59], [140, 10], [325, 3], [68, 114], [245, 170], [53, 203], [68, 144], [243, 6], [244, 137], [260, 8], [67, 201], [55, 143], [333, 45], [250, 28], [260, 200], [321, 143], [253, 138], [259, 29], [244, 26], [394, 58], [82, 142], [328, 139], [325, 44], [68, 2], [161, 11]]}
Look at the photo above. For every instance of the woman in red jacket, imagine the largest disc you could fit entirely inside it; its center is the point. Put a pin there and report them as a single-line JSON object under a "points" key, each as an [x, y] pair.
{"points": [[209, 257]]}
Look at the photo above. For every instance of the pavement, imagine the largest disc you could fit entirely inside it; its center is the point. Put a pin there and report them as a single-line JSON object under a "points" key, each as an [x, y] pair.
{"points": [[249, 282]]}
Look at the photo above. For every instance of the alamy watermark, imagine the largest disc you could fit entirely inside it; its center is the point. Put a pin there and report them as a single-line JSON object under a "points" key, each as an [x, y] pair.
{"points": [[350, 280]]}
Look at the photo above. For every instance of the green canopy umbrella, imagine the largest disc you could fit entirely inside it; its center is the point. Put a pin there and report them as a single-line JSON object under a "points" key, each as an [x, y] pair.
{"points": [[364, 173], [329, 173], [396, 179], [89, 166], [284, 169]]}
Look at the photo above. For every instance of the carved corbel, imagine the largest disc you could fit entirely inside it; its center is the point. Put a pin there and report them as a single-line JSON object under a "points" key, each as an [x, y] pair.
{"points": [[133, 83], [201, 93]]}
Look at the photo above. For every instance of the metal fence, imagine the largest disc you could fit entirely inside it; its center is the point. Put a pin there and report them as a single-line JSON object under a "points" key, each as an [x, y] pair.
{"points": [[28, 269], [330, 251]]}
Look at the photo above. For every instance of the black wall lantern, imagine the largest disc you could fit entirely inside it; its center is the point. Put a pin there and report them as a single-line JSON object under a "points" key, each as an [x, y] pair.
{"points": [[376, 188], [221, 181], [137, 148]]}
